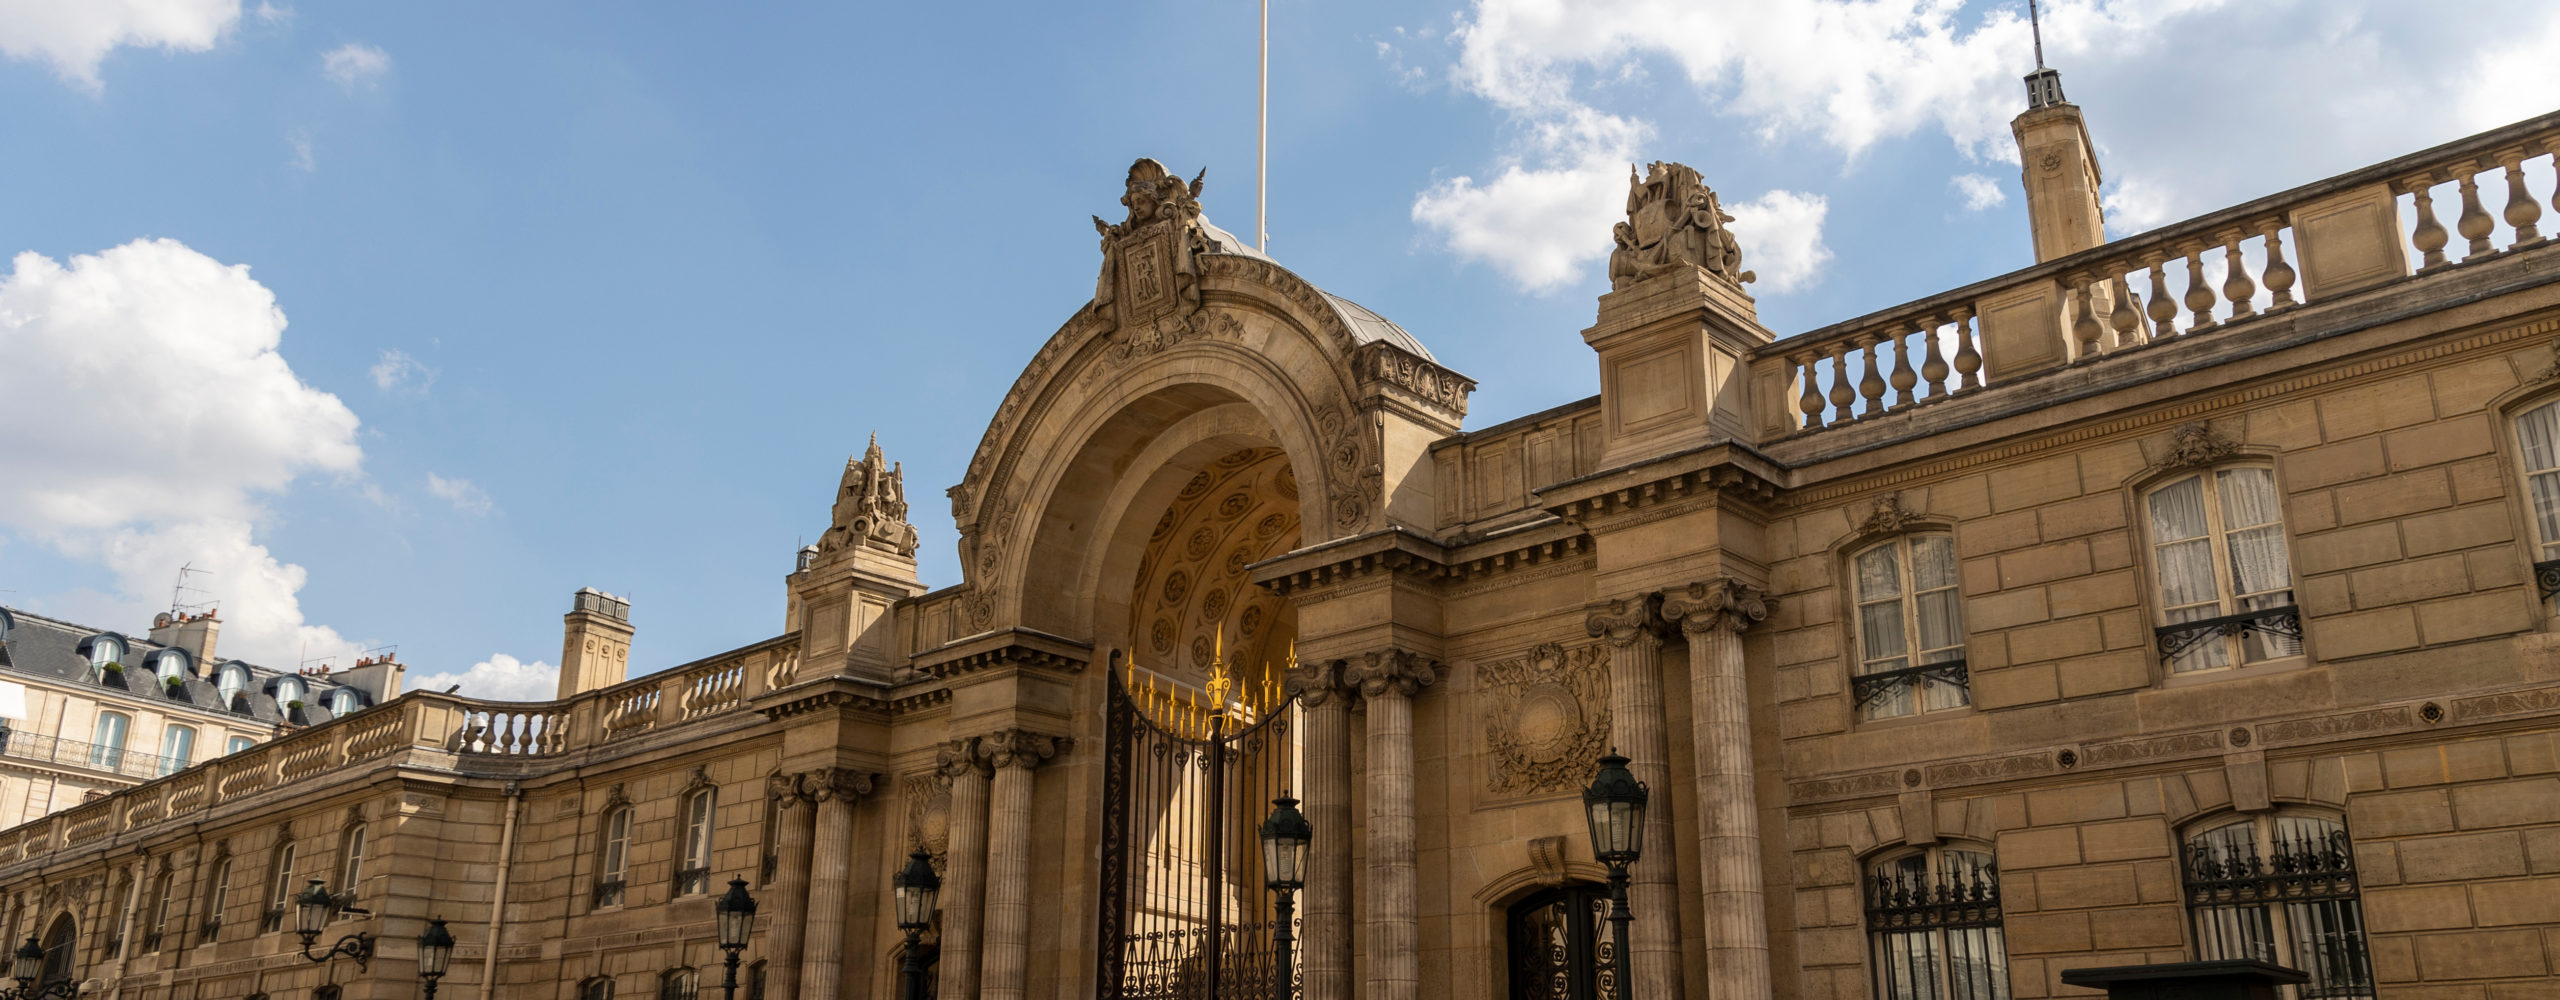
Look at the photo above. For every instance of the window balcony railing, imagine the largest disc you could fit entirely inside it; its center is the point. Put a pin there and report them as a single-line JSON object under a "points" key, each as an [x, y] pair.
{"points": [[2546, 578], [690, 881], [208, 931], [609, 893], [91, 756], [2177, 638], [1878, 687], [271, 921]]}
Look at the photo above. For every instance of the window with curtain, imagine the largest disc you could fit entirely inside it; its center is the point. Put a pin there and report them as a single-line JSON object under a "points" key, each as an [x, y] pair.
{"points": [[177, 743], [678, 984], [163, 892], [288, 691], [2225, 576], [693, 866], [351, 860], [2283, 889], [1910, 628], [2538, 444], [171, 665], [614, 864], [237, 744], [344, 701], [106, 745], [217, 894], [232, 681], [1933, 926], [279, 889], [104, 650]]}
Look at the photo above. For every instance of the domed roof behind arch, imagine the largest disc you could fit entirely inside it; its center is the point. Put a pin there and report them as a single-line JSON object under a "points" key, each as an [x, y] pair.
{"points": [[1366, 325]]}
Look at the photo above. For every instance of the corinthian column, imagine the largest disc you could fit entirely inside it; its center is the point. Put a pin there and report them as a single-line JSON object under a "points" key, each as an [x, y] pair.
{"points": [[790, 888], [1012, 753], [1388, 682], [1325, 709], [1714, 614], [964, 887], [822, 954], [1631, 629]]}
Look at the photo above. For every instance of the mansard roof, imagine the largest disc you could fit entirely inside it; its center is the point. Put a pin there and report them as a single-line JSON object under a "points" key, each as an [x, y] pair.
{"points": [[51, 650]]}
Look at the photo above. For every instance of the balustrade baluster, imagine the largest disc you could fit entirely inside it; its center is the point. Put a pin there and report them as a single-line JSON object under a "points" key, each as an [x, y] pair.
{"points": [[2522, 211], [2127, 318], [1871, 384], [2237, 289], [1842, 393], [1968, 360], [2084, 325], [1903, 377], [2475, 224], [2279, 274], [2429, 236], [1933, 369], [2163, 310], [2199, 297], [1810, 403]]}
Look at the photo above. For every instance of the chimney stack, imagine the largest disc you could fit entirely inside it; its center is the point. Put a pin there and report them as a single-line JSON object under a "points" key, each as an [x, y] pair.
{"points": [[193, 633], [2058, 167], [596, 650]]}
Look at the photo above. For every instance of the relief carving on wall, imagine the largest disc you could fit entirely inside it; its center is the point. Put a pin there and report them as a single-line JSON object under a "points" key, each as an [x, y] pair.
{"points": [[928, 815], [1546, 717]]}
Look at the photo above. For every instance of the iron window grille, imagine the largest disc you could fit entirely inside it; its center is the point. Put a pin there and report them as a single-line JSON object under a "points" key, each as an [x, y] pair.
{"points": [[2233, 893], [609, 893], [1876, 688], [271, 921], [1943, 912], [2546, 578], [211, 930], [151, 940], [2280, 623], [690, 881]]}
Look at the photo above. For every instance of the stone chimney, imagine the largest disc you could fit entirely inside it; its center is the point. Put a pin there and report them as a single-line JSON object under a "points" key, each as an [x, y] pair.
{"points": [[2059, 170], [1675, 330], [193, 633], [596, 649], [376, 675]]}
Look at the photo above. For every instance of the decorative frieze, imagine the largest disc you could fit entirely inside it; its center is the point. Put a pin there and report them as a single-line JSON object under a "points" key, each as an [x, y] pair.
{"points": [[1546, 718]]}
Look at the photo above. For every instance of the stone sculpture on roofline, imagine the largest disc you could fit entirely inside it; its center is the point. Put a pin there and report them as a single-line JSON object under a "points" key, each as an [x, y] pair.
{"points": [[1673, 221]]}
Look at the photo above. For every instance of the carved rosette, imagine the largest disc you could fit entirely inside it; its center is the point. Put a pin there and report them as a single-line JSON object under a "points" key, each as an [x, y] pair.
{"points": [[1402, 672], [1546, 717], [1625, 620], [1018, 748], [1721, 604]]}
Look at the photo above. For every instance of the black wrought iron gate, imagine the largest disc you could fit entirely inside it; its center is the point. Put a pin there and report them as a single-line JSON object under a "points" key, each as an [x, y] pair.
{"points": [[1189, 776]]}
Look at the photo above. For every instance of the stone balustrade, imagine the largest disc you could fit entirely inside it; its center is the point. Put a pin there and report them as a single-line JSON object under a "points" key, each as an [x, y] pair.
{"points": [[2213, 275]]}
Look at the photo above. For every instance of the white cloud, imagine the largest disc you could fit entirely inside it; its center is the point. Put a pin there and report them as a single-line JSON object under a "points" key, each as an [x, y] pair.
{"points": [[1979, 192], [464, 495], [354, 65], [1541, 225], [76, 35], [398, 372], [272, 15], [1781, 237], [144, 413], [498, 678], [302, 160]]}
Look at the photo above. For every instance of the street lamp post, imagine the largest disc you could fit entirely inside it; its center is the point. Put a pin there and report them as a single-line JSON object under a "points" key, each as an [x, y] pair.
{"points": [[1615, 805], [1284, 871], [915, 887], [435, 954], [311, 913], [27, 969], [737, 913]]}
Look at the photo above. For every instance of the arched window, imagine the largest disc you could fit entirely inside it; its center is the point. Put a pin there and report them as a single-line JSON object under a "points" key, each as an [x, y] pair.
{"points": [[237, 744], [106, 747], [597, 988], [693, 865], [103, 650], [279, 888], [6, 623], [1561, 947], [345, 702], [217, 894], [613, 867], [177, 743], [678, 984], [171, 665], [290, 690], [2283, 889], [351, 860], [1910, 628], [1933, 926], [61, 951], [233, 682], [2225, 575]]}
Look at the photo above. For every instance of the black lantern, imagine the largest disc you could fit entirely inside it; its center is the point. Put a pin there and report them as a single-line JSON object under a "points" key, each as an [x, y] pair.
{"points": [[30, 963], [1285, 836], [1615, 805], [915, 887], [737, 913], [311, 913], [29, 968], [435, 954]]}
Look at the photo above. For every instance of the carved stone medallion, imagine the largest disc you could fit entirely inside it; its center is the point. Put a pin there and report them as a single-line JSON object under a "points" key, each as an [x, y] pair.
{"points": [[1546, 717]]}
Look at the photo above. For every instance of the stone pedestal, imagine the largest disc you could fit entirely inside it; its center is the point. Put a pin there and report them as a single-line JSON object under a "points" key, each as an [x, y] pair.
{"points": [[1388, 681], [964, 885], [1004, 962], [1714, 615], [1631, 629]]}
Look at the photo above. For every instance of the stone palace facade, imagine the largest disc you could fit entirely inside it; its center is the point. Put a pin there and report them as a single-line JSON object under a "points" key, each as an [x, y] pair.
{"points": [[2182, 596]]}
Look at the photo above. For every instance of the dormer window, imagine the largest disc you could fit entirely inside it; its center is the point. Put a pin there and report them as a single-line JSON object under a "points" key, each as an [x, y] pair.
{"points": [[345, 701], [288, 691], [233, 681], [103, 650], [6, 623], [171, 665]]}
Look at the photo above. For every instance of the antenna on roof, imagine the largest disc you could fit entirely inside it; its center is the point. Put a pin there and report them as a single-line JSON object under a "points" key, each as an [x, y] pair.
{"points": [[2044, 86], [2035, 26], [178, 603], [1262, 143]]}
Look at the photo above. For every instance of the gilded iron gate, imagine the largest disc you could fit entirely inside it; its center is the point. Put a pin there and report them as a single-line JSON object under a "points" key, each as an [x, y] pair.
{"points": [[1189, 777]]}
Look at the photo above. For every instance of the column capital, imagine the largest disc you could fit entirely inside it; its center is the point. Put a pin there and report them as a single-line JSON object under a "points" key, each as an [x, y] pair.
{"points": [[957, 759], [1397, 670], [837, 784], [1625, 620], [1721, 604], [1019, 748], [1316, 682], [786, 790]]}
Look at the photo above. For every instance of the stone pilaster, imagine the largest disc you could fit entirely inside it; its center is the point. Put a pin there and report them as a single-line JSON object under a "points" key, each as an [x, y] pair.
{"points": [[1631, 628], [964, 886], [1388, 681], [1325, 914], [1004, 962], [834, 790], [1714, 615], [789, 892]]}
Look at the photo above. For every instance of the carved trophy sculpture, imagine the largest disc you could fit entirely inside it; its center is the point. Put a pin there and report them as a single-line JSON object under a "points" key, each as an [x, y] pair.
{"points": [[871, 507], [1149, 289], [1673, 221]]}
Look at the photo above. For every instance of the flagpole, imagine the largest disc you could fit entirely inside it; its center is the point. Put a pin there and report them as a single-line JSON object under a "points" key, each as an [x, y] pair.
{"points": [[1262, 144]]}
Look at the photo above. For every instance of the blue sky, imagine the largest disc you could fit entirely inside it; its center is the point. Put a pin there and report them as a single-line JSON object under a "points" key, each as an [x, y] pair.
{"points": [[603, 294]]}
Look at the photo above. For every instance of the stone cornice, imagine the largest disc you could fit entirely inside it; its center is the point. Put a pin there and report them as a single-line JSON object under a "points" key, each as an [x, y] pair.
{"points": [[849, 694], [1393, 551], [1724, 470], [1016, 646], [1418, 384]]}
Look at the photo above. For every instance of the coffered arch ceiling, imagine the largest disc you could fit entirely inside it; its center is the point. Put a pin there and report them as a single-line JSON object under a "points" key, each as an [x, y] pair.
{"points": [[1192, 587]]}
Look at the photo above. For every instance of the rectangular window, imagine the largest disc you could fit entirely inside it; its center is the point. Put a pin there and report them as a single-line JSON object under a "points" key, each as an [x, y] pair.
{"points": [[2283, 891], [1910, 629], [351, 864], [693, 872], [217, 894], [237, 744], [280, 892], [106, 747], [1934, 927], [2225, 575], [177, 743]]}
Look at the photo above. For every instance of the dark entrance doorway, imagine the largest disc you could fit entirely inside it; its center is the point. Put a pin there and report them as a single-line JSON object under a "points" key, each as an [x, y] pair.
{"points": [[1561, 948]]}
